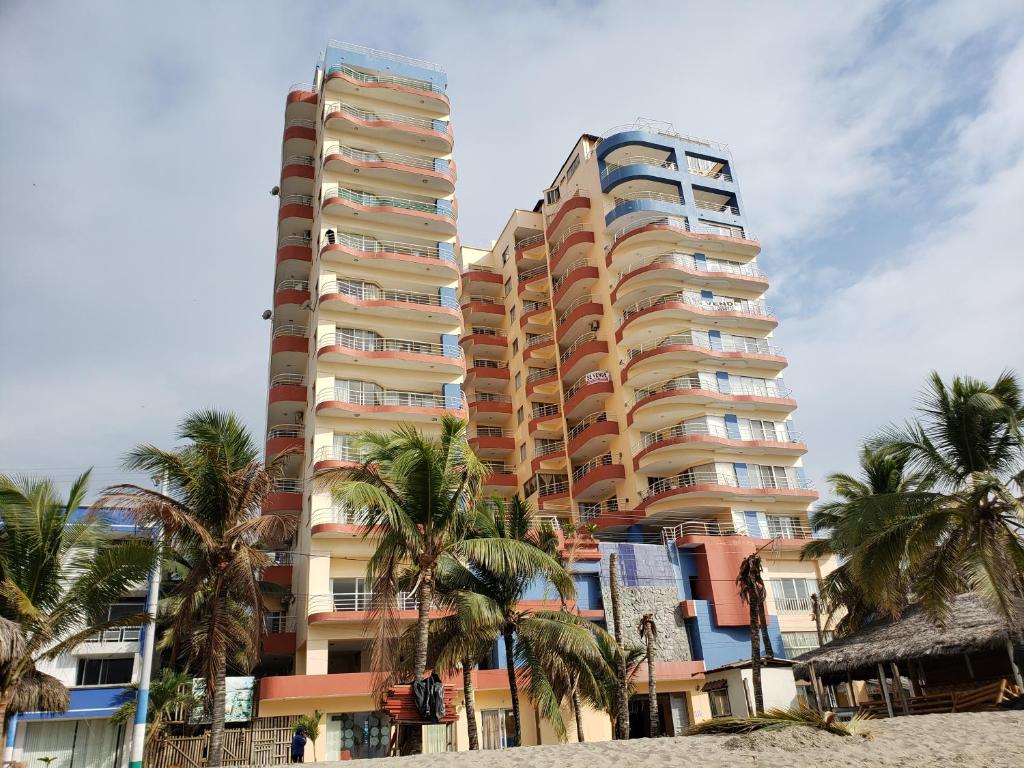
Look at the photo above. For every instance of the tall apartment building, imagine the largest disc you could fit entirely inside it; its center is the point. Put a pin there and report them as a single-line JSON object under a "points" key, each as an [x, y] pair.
{"points": [[611, 351]]}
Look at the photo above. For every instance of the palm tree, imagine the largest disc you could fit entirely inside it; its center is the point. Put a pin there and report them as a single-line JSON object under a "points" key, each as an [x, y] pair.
{"points": [[212, 519], [752, 592], [170, 694], [844, 530], [58, 575], [648, 631], [960, 528], [599, 683]]}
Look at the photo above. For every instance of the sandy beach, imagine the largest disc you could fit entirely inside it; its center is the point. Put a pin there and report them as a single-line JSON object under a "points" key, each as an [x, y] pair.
{"points": [[989, 740]]}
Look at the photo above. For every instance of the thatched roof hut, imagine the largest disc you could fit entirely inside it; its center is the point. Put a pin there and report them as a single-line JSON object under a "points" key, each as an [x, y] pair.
{"points": [[972, 626]]}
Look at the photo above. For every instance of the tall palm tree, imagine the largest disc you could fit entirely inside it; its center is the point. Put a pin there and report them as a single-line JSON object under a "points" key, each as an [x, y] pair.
{"points": [[844, 530], [59, 573], [599, 683], [648, 631], [212, 519], [752, 592]]}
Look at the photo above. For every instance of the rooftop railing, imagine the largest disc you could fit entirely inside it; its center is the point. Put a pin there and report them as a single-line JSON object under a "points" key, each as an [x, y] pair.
{"points": [[385, 55], [364, 77], [363, 344], [367, 292]]}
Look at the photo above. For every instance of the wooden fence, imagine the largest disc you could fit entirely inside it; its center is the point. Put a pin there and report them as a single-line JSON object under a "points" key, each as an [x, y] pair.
{"points": [[265, 741]]}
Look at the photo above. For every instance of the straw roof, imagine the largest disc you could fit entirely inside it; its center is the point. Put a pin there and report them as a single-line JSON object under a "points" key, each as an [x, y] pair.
{"points": [[39, 692], [12, 642], [972, 625]]}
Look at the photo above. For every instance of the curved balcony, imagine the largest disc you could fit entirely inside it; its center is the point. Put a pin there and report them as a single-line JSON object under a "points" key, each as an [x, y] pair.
{"points": [[297, 174], [332, 522], [548, 454], [534, 281], [554, 495], [574, 243], [666, 312], [645, 360], [545, 417], [295, 248], [284, 438], [716, 485], [576, 279], [484, 371], [346, 248], [502, 477], [572, 210], [434, 216], [343, 347], [578, 316], [295, 212], [638, 167], [480, 279], [587, 394], [591, 435], [301, 93], [385, 403], [491, 442], [287, 388], [655, 269], [364, 298], [354, 606], [431, 173], [489, 407], [285, 498], [539, 349], [543, 381], [403, 91], [335, 457], [536, 317], [432, 134], [596, 478], [530, 249], [586, 352], [655, 402], [486, 340], [658, 452], [291, 292], [637, 206], [299, 136], [482, 309], [289, 339], [661, 231]]}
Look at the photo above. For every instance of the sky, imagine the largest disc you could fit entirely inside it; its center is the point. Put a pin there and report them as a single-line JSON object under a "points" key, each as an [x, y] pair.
{"points": [[879, 147]]}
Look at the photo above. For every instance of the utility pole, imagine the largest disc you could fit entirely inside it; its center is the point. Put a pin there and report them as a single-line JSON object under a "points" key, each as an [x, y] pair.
{"points": [[148, 643]]}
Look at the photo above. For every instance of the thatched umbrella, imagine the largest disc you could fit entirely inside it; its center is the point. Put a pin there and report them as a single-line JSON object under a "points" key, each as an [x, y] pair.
{"points": [[39, 692], [12, 641]]}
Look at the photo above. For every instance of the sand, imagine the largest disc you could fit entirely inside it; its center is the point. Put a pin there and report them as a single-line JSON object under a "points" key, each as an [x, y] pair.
{"points": [[989, 740]]}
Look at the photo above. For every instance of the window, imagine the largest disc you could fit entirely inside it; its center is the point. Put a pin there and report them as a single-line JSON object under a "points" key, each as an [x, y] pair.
{"points": [[498, 728], [720, 706], [522, 452], [572, 167], [508, 286], [519, 380], [519, 415], [512, 315], [504, 255], [793, 595], [783, 527], [795, 643], [117, 671], [551, 196], [515, 346]]}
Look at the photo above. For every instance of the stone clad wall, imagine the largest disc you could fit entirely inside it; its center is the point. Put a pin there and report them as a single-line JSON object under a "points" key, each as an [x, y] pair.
{"points": [[649, 584]]}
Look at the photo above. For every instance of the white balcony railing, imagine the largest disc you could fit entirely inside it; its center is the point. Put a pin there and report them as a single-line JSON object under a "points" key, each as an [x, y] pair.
{"points": [[746, 387], [390, 397], [692, 477], [337, 516], [349, 602], [569, 232], [541, 410], [594, 377], [362, 156], [290, 330], [117, 635], [580, 427], [386, 201], [743, 344], [704, 428], [687, 261], [285, 430], [541, 373], [369, 292], [288, 380], [287, 485], [275, 624], [335, 107], [658, 197], [578, 473], [554, 488], [486, 431], [572, 267], [366, 244], [694, 299], [530, 274], [483, 362], [364, 344], [543, 448], [365, 77], [590, 510], [624, 162], [793, 604], [579, 301], [710, 205], [292, 285], [584, 338], [337, 453], [530, 242], [539, 340]]}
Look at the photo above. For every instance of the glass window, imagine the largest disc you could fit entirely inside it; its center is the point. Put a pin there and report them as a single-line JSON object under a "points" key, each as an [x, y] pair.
{"points": [[497, 729], [522, 452], [358, 735], [519, 380], [795, 643], [515, 346], [572, 167], [508, 286], [520, 415], [116, 671], [504, 255], [720, 706], [551, 196]]}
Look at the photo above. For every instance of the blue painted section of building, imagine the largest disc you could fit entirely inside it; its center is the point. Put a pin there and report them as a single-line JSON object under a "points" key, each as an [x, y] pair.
{"points": [[444, 208], [723, 645], [452, 396], [634, 172], [634, 206], [450, 344], [447, 297], [100, 701], [588, 591], [365, 59], [446, 251], [116, 519], [442, 165]]}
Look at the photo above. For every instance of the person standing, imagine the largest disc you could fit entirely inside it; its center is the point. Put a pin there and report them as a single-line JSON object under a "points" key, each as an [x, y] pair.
{"points": [[299, 745]]}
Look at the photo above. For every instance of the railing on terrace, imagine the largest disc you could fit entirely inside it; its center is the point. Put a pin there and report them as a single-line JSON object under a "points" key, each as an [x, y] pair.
{"points": [[386, 201], [285, 430], [694, 299], [480, 330], [578, 473], [287, 485], [541, 373], [390, 397], [298, 160], [337, 516], [349, 602], [754, 481], [292, 285], [363, 156], [532, 273], [116, 635], [594, 377], [548, 217], [483, 430], [709, 173], [793, 604], [573, 266], [479, 298], [659, 197], [590, 510], [556, 246], [367, 292], [624, 162], [481, 362], [699, 528], [529, 242], [349, 341], [294, 240], [584, 338], [555, 488], [708, 205], [277, 624], [548, 447], [687, 261], [337, 453], [296, 200], [372, 245], [289, 330], [661, 128], [750, 346], [545, 409], [497, 468], [297, 123], [278, 557], [579, 427], [288, 380], [579, 301], [705, 429], [385, 55], [490, 397], [332, 107], [771, 388], [539, 340], [535, 306], [423, 85], [305, 87]]}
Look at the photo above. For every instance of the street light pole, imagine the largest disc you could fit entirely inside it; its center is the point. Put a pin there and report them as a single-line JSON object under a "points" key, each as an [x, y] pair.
{"points": [[148, 643]]}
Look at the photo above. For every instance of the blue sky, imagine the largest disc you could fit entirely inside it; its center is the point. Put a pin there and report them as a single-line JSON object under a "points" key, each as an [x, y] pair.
{"points": [[879, 145]]}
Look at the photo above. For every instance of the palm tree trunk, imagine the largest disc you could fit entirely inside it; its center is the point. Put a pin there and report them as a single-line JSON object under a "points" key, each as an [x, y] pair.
{"points": [[215, 756], [513, 685], [622, 717], [755, 655], [467, 694], [426, 592], [577, 709], [652, 689], [769, 652]]}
